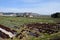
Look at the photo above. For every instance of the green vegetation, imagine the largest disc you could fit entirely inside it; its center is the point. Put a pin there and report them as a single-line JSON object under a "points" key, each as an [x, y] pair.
{"points": [[10, 21], [18, 21]]}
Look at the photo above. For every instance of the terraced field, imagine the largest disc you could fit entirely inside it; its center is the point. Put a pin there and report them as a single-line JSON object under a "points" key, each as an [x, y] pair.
{"points": [[21, 24]]}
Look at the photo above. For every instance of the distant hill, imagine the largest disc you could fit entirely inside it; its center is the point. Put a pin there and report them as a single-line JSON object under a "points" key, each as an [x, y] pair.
{"points": [[24, 14]]}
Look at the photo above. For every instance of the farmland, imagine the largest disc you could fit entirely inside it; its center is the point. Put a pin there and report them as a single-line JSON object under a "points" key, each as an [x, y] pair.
{"points": [[19, 23]]}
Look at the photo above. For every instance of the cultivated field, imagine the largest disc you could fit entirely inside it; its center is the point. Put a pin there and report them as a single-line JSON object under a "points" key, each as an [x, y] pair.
{"points": [[18, 23]]}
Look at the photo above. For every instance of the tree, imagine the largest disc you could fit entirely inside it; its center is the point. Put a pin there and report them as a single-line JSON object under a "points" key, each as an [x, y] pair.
{"points": [[56, 15]]}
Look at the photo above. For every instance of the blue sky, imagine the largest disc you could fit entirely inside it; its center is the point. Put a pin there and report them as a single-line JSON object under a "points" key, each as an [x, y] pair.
{"points": [[37, 6]]}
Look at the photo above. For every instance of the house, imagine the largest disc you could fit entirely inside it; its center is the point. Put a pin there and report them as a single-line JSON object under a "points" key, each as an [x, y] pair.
{"points": [[1, 13], [26, 14]]}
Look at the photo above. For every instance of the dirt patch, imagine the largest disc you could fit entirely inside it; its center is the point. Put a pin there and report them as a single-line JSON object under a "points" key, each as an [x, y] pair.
{"points": [[48, 28]]}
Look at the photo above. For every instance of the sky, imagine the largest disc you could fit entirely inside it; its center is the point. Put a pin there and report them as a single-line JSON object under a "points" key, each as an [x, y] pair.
{"points": [[44, 7]]}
